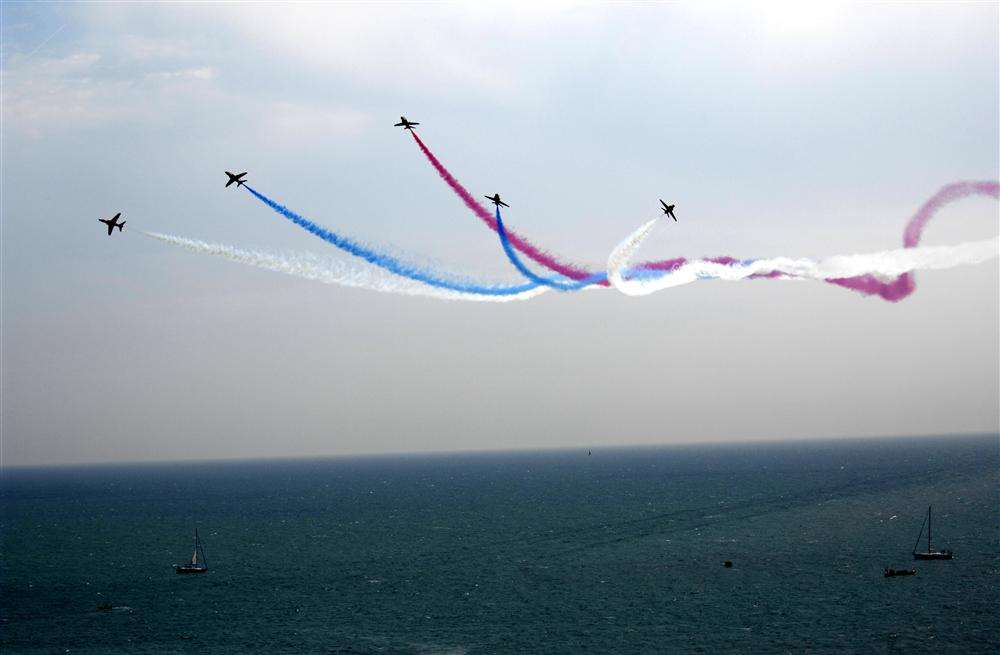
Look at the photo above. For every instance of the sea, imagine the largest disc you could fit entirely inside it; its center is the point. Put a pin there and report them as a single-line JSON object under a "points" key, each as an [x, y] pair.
{"points": [[618, 551]]}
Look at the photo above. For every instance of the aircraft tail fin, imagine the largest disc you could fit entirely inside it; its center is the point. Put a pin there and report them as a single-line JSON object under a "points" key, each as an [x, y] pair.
{"points": [[121, 225]]}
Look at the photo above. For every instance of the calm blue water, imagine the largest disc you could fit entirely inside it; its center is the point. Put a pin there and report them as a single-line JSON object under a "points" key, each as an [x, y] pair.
{"points": [[552, 552]]}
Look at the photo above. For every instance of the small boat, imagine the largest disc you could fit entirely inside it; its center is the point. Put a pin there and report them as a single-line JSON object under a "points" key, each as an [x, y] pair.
{"points": [[893, 573], [198, 563], [728, 564], [930, 553]]}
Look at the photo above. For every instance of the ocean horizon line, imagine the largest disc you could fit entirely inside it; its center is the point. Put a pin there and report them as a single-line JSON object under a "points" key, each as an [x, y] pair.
{"points": [[521, 450]]}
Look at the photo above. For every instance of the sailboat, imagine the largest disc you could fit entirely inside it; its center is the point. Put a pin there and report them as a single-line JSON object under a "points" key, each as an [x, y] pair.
{"points": [[930, 553], [198, 563]]}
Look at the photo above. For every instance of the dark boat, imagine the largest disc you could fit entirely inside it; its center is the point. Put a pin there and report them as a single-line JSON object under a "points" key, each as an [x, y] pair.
{"points": [[930, 553], [198, 563], [893, 573]]}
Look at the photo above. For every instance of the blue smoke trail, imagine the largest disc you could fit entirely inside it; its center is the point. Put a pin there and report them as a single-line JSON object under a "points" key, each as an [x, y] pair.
{"points": [[594, 278], [385, 261]]}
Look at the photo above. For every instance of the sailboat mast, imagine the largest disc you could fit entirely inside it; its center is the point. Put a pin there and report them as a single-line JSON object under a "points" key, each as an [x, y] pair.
{"points": [[199, 550], [928, 528]]}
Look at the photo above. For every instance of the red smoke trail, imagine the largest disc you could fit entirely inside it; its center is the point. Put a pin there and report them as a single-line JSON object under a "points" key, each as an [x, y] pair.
{"points": [[893, 291], [904, 285], [522, 245]]}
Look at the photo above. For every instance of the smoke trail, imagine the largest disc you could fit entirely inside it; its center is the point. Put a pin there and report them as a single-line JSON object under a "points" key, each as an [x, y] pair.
{"points": [[618, 259], [521, 244], [893, 290], [533, 252], [329, 271], [889, 262], [391, 264], [594, 279], [945, 196], [904, 285]]}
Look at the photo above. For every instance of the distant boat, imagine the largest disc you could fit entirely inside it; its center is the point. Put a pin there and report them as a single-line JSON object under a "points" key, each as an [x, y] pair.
{"points": [[930, 553], [893, 573], [198, 563]]}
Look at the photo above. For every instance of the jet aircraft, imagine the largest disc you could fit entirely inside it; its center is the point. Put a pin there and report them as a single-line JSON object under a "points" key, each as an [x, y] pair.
{"points": [[236, 177], [668, 210], [112, 223], [495, 199], [405, 124]]}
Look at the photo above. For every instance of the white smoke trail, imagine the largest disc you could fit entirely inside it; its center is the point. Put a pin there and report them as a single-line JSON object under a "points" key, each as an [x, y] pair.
{"points": [[884, 263], [620, 256], [331, 271]]}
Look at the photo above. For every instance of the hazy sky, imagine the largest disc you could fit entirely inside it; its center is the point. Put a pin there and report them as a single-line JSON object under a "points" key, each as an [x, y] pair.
{"points": [[778, 129]]}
